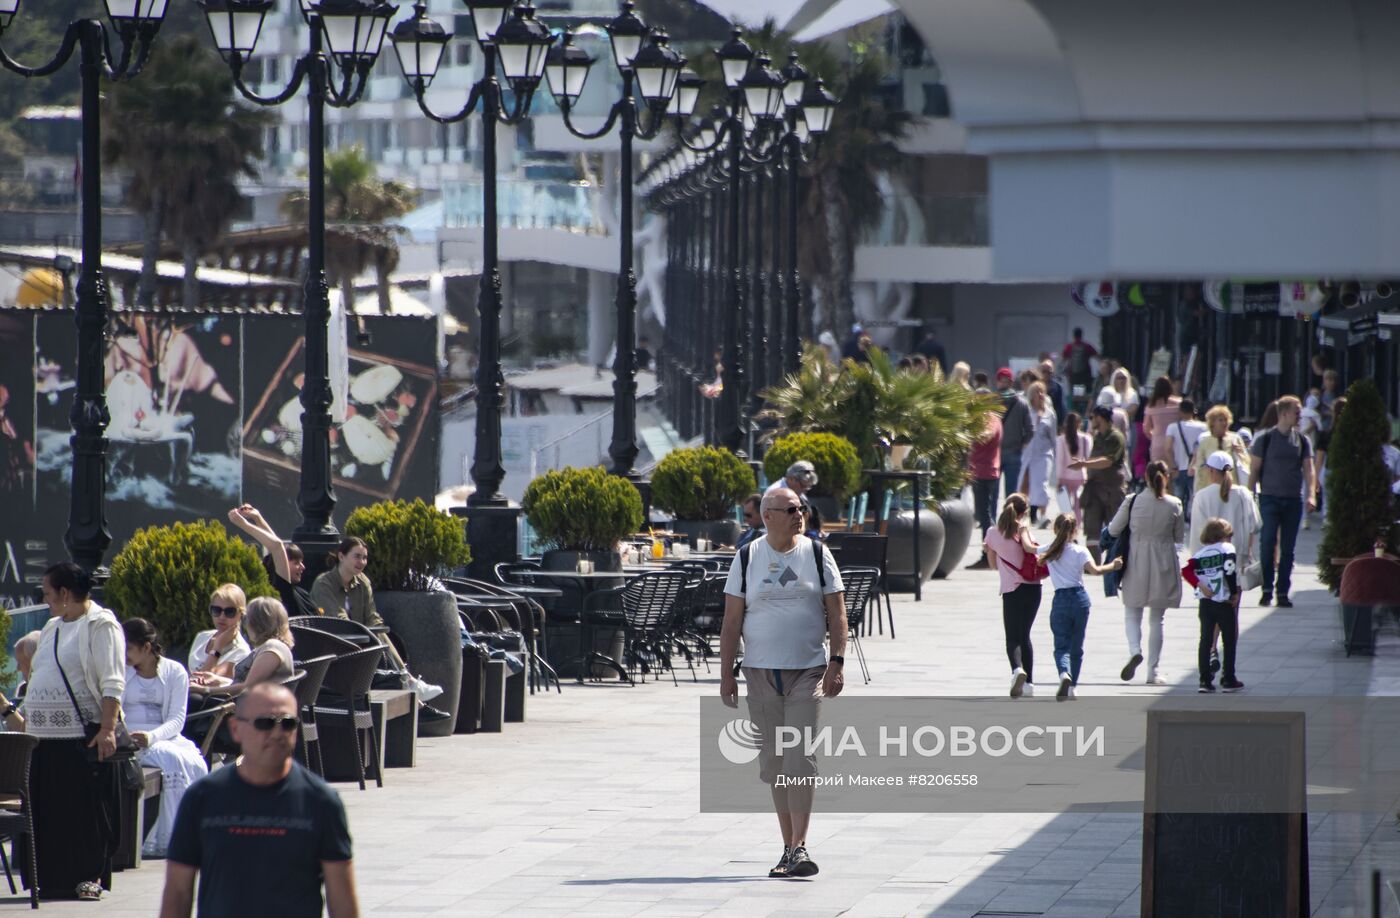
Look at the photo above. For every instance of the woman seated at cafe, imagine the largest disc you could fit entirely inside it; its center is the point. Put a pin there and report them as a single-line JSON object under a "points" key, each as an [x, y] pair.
{"points": [[219, 649], [271, 659]]}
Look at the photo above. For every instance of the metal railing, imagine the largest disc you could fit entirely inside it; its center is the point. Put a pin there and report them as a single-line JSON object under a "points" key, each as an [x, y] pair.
{"points": [[572, 206], [596, 431]]}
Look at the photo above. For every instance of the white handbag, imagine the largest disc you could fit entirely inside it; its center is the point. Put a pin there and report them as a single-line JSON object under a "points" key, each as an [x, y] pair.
{"points": [[1251, 576]]}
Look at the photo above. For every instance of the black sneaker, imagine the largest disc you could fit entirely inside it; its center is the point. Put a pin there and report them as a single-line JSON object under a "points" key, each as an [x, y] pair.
{"points": [[427, 714], [1231, 685], [1127, 674], [1284, 602], [781, 870], [799, 864], [1207, 688], [1266, 600], [1214, 663]]}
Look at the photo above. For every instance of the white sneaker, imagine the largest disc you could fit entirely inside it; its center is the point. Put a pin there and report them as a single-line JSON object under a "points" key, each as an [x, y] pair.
{"points": [[1073, 694], [1063, 693], [425, 691], [1155, 679], [1018, 682], [1028, 690]]}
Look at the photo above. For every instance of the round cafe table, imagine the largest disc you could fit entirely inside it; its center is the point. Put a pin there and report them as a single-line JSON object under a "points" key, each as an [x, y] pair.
{"points": [[590, 583]]}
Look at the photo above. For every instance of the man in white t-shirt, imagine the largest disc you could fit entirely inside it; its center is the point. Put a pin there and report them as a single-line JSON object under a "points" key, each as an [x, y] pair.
{"points": [[786, 607], [1183, 436]]}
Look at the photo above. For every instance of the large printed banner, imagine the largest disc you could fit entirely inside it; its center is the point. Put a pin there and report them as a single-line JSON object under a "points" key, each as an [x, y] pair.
{"points": [[205, 415]]}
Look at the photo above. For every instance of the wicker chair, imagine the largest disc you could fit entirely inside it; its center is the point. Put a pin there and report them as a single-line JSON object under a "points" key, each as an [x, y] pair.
{"points": [[865, 549], [644, 608], [312, 642], [307, 690], [532, 619], [862, 585], [15, 752], [348, 678]]}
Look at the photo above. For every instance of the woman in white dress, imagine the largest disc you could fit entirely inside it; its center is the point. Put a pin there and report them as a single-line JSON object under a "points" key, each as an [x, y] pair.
{"points": [[154, 706], [1038, 457], [1222, 498]]}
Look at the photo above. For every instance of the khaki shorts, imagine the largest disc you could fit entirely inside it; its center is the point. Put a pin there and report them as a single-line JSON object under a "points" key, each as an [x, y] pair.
{"points": [[783, 698]]}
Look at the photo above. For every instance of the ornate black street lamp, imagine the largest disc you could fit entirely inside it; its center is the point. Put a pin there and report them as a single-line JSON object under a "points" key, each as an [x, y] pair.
{"points": [[653, 70], [136, 23], [344, 36], [512, 36]]}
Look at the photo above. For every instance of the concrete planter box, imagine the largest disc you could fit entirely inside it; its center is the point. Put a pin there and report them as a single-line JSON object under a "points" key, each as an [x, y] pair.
{"points": [[430, 629]]}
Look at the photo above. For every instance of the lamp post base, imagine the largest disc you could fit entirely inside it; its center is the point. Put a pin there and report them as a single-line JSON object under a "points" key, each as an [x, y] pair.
{"points": [[493, 533]]}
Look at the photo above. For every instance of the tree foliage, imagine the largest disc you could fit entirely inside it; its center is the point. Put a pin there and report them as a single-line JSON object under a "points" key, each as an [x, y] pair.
{"points": [[166, 574], [409, 543], [1360, 507], [875, 405], [703, 483]]}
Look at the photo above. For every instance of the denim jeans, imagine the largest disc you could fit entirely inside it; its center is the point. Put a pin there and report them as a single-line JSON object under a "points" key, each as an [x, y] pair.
{"points": [[984, 500], [1010, 474], [1069, 618], [1279, 519], [1185, 482]]}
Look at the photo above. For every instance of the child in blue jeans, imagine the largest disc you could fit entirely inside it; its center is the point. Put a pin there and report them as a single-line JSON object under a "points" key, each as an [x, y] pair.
{"points": [[1069, 610]]}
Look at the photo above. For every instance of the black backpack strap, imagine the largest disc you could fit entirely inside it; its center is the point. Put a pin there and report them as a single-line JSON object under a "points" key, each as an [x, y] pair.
{"points": [[821, 564], [744, 570]]}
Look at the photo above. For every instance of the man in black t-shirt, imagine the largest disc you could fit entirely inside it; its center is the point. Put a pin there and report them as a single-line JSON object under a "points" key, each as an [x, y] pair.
{"points": [[264, 835]]}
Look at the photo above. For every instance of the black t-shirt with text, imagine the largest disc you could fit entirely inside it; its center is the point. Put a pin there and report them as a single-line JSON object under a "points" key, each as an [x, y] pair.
{"points": [[259, 849], [297, 600]]}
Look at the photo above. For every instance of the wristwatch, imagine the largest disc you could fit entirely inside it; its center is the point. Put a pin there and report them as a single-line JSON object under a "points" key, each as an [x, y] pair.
{"points": [[837, 658]]}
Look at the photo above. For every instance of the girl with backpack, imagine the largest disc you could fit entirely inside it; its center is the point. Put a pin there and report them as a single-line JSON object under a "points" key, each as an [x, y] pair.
{"points": [[1008, 549]]}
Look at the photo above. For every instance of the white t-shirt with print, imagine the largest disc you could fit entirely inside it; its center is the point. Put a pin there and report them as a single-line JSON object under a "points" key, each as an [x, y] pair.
{"points": [[784, 615], [1068, 569]]}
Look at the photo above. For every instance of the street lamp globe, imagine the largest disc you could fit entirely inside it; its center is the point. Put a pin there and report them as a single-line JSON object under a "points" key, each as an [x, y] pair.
{"points": [[818, 107], [795, 78], [734, 58], [354, 29], [523, 42], [657, 66], [688, 86], [566, 68], [8, 10], [126, 14], [418, 44], [763, 89], [627, 32], [487, 17], [235, 24]]}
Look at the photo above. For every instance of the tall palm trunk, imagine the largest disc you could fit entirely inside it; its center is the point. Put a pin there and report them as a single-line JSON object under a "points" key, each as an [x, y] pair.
{"points": [[150, 251], [189, 293]]}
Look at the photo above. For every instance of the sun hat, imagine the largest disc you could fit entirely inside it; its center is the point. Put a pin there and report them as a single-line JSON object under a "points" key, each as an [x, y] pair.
{"points": [[1220, 461]]}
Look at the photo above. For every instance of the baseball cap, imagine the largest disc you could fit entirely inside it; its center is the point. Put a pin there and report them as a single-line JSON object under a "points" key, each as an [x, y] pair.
{"points": [[1220, 461], [1005, 373]]}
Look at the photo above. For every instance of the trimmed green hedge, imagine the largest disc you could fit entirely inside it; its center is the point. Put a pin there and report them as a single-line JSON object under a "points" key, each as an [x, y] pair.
{"points": [[582, 509], [409, 543], [835, 459], [703, 483], [166, 574]]}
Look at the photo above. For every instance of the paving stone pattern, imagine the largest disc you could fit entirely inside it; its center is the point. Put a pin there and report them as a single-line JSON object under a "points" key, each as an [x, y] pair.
{"points": [[590, 808]]}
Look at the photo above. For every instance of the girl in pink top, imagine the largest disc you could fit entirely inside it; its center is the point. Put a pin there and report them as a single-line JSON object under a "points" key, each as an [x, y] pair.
{"points": [[1073, 444], [1007, 546], [1162, 412]]}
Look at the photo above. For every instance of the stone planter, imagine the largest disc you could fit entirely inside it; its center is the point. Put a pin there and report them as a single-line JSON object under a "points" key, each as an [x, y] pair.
{"points": [[719, 532], [901, 547], [431, 632], [958, 526]]}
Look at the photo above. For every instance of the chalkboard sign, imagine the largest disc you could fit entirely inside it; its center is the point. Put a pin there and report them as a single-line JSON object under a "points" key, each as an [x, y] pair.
{"points": [[1224, 833]]}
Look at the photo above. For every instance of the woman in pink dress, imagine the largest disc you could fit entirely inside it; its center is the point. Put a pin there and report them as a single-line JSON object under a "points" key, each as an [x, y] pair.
{"points": [[1162, 412], [1073, 444]]}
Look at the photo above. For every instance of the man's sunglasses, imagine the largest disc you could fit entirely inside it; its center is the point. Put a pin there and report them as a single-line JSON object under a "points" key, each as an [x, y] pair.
{"points": [[788, 510], [226, 611], [288, 723]]}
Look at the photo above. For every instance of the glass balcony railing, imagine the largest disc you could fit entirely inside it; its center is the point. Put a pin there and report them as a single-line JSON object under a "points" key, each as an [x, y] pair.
{"points": [[930, 219], [574, 207]]}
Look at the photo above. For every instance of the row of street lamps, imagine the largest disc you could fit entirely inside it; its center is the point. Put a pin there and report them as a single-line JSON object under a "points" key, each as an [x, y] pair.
{"points": [[344, 39], [766, 132]]}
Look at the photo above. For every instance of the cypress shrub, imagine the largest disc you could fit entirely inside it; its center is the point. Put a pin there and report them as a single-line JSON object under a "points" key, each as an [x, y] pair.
{"points": [[582, 509], [408, 543], [703, 483], [1359, 503]]}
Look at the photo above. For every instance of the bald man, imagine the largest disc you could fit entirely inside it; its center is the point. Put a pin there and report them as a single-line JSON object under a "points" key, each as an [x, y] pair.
{"points": [[265, 834]]}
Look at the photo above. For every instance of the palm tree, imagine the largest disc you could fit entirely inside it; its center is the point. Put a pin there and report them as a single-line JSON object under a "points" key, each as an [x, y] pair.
{"points": [[186, 143], [841, 186], [361, 205]]}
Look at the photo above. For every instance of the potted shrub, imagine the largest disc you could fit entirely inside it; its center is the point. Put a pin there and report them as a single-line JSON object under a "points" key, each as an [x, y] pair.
{"points": [[166, 574], [834, 457], [581, 514], [874, 403], [700, 487], [409, 545]]}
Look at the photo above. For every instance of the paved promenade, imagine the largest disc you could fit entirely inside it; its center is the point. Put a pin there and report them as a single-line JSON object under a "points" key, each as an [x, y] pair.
{"points": [[590, 808]]}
